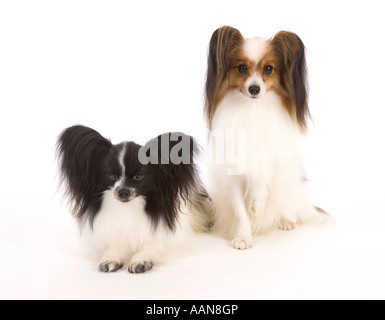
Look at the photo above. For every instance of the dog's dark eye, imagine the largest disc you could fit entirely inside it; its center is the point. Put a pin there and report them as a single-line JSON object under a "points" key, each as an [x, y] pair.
{"points": [[268, 70], [113, 177], [138, 177], [242, 68]]}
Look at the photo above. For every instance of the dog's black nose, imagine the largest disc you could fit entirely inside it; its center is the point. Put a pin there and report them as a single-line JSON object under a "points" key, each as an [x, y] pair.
{"points": [[254, 90], [123, 194]]}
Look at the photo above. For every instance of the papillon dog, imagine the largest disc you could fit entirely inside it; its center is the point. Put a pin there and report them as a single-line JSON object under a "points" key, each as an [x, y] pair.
{"points": [[133, 204], [257, 88]]}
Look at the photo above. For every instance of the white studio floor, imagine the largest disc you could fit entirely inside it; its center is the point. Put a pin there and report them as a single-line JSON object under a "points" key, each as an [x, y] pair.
{"points": [[341, 261]]}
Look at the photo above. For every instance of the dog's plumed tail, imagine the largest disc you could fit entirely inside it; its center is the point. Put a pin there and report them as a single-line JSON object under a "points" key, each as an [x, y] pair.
{"points": [[80, 151]]}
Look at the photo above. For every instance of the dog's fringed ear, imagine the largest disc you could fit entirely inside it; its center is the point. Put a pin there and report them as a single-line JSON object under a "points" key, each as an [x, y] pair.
{"points": [[290, 50], [174, 175], [225, 43], [80, 151]]}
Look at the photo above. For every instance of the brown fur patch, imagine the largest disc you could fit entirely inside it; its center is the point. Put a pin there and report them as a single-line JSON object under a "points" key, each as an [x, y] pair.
{"points": [[226, 43], [289, 52], [274, 81], [236, 80]]}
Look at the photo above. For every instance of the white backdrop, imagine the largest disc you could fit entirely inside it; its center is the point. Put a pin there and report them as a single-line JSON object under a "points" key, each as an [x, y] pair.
{"points": [[135, 69]]}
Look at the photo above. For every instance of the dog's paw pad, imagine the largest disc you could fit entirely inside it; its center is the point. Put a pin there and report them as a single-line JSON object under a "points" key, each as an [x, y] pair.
{"points": [[287, 226], [242, 243], [140, 267], [110, 266]]}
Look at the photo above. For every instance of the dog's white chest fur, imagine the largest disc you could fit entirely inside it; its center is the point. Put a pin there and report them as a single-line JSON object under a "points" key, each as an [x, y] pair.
{"points": [[121, 227], [270, 134], [123, 234], [261, 177]]}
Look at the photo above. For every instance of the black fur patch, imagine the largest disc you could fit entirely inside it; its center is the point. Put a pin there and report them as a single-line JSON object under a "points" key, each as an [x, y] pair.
{"points": [[88, 161]]}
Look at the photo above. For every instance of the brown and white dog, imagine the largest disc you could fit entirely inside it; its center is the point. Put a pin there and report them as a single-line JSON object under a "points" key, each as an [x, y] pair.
{"points": [[256, 89]]}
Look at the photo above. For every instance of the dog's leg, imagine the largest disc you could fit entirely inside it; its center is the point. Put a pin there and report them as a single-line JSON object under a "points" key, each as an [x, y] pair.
{"points": [[144, 259], [111, 261], [243, 236], [258, 198]]}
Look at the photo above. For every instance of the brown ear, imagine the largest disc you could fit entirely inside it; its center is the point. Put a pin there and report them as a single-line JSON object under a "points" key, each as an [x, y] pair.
{"points": [[290, 50], [225, 42]]}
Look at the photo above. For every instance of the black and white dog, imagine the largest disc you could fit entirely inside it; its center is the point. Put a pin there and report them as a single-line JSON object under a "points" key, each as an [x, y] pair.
{"points": [[135, 204]]}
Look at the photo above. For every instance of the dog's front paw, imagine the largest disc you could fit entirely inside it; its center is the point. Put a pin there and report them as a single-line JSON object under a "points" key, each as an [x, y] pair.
{"points": [[242, 243], [287, 225], [140, 266], [110, 266]]}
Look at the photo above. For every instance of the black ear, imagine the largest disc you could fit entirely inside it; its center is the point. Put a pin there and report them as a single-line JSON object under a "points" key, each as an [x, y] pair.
{"points": [[293, 74], [224, 44], [174, 174], [80, 151]]}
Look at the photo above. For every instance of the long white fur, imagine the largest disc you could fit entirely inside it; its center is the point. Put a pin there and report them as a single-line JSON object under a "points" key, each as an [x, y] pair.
{"points": [[122, 233], [271, 193]]}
